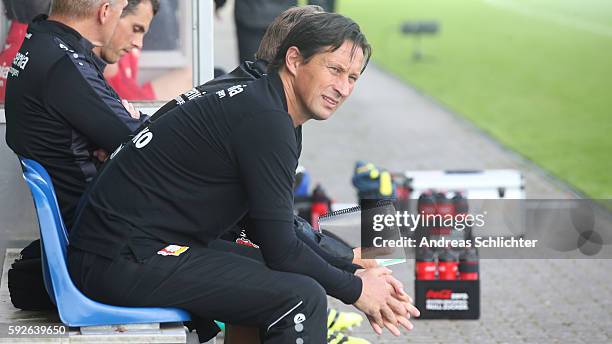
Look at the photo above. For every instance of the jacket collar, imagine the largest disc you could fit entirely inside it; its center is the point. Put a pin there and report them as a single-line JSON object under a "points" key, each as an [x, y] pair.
{"points": [[62, 30], [277, 84], [71, 36]]}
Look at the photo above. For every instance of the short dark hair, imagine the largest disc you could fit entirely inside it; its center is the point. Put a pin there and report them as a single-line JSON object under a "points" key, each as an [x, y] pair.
{"points": [[132, 4], [24, 11], [319, 32], [280, 27]]}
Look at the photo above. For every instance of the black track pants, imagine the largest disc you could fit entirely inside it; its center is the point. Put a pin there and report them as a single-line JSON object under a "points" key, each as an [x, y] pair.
{"points": [[210, 284]]}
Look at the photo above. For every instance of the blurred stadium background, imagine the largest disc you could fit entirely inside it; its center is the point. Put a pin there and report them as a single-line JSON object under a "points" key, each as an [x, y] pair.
{"points": [[534, 74]]}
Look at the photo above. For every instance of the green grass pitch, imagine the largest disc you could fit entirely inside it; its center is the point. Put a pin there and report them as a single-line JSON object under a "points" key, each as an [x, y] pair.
{"points": [[535, 74]]}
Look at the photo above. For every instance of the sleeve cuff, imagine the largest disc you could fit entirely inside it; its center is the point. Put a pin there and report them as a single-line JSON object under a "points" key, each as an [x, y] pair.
{"points": [[353, 267], [354, 291]]}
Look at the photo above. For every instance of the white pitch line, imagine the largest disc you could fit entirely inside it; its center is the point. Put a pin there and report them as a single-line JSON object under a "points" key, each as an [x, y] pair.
{"points": [[560, 19]]}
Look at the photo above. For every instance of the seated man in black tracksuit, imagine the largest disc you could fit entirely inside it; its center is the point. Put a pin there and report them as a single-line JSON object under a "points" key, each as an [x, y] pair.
{"points": [[248, 71], [142, 238], [336, 252], [59, 107]]}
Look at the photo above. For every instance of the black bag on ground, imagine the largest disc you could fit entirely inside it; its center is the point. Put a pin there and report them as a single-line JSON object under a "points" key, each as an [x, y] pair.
{"points": [[25, 281]]}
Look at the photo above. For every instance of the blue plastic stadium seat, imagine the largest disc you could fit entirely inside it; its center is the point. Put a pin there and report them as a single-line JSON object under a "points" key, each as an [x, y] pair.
{"points": [[76, 309]]}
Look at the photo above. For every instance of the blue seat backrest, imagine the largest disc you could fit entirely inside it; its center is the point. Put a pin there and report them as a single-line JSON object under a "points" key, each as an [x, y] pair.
{"points": [[75, 309]]}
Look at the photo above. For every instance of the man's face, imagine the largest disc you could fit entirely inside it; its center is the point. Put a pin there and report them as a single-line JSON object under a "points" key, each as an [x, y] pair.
{"points": [[112, 18], [324, 82], [129, 33]]}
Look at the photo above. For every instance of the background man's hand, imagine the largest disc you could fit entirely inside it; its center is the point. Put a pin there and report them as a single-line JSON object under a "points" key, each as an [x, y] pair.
{"points": [[130, 108], [101, 154]]}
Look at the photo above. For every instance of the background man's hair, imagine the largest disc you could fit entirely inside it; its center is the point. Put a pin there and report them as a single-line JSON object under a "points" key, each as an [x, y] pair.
{"points": [[24, 11], [76, 8], [324, 31], [132, 4], [277, 31]]}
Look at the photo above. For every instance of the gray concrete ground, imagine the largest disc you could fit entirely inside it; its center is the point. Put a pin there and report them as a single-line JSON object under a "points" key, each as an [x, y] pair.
{"points": [[389, 123], [522, 301]]}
